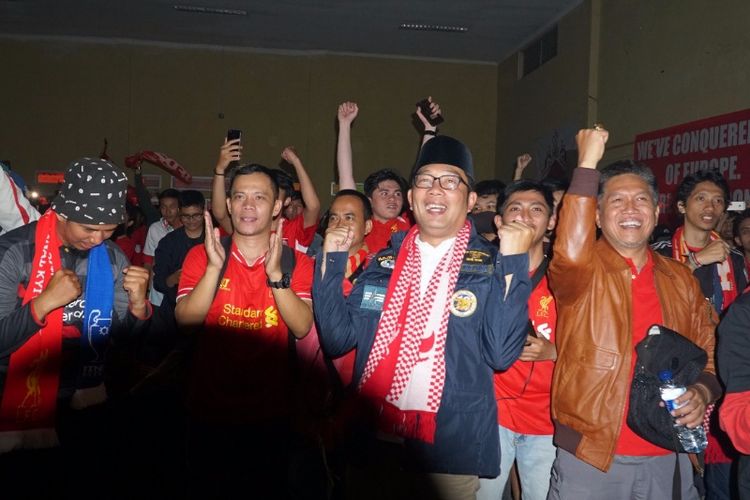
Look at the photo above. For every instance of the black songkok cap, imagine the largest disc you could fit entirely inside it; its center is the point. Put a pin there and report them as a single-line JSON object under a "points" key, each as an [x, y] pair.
{"points": [[446, 150]]}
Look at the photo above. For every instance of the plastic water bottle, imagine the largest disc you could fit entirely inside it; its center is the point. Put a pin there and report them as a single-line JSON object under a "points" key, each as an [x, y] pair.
{"points": [[692, 440]]}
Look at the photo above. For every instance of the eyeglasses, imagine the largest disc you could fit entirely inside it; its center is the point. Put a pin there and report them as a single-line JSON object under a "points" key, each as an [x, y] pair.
{"points": [[191, 216], [449, 182]]}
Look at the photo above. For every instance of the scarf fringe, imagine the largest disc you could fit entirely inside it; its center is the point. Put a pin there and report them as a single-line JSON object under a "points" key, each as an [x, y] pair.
{"points": [[410, 424], [33, 439]]}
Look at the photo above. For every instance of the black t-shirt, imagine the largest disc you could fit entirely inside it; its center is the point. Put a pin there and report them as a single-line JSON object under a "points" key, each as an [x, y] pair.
{"points": [[168, 258]]}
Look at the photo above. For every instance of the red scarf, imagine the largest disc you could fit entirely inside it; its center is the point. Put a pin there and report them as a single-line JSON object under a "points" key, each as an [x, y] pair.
{"points": [[408, 403], [356, 260], [30, 394], [725, 269]]}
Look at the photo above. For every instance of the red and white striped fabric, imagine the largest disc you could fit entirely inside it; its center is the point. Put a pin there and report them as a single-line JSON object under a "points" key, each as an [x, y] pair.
{"points": [[405, 371], [15, 209]]}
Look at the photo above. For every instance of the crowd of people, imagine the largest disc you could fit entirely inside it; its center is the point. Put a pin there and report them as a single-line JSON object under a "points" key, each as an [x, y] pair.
{"points": [[426, 337]]}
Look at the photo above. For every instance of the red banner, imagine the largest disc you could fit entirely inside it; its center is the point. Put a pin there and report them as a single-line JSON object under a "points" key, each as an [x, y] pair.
{"points": [[721, 143]]}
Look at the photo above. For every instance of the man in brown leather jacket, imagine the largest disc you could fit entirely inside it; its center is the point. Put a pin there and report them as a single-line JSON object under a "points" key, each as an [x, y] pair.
{"points": [[608, 293]]}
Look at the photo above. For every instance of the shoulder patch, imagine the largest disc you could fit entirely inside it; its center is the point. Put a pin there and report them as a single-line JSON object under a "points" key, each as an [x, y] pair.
{"points": [[373, 298], [463, 303], [387, 261]]}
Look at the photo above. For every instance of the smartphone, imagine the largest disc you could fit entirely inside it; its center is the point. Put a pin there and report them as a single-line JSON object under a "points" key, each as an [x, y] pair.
{"points": [[424, 106], [736, 206], [233, 134]]}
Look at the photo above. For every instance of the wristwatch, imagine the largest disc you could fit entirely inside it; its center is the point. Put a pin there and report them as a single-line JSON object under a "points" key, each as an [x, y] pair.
{"points": [[284, 282]]}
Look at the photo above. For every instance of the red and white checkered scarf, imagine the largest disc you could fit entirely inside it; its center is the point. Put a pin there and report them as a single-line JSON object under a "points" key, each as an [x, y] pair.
{"points": [[405, 372]]}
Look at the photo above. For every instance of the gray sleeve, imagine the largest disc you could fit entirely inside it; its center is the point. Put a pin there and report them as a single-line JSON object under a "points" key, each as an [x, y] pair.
{"points": [[17, 323], [124, 323]]}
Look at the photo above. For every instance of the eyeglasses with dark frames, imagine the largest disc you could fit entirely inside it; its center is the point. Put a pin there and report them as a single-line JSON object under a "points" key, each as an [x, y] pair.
{"points": [[191, 216], [449, 182]]}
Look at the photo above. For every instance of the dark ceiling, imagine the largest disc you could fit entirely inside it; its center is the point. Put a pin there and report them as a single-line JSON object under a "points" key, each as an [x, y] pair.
{"points": [[496, 28]]}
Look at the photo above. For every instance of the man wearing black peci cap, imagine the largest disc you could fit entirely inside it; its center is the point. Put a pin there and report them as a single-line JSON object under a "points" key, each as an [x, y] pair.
{"points": [[65, 290], [431, 318]]}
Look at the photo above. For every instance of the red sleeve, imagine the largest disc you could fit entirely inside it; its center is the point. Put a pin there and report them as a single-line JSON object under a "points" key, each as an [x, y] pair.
{"points": [[292, 231], [302, 276], [307, 235], [735, 419], [127, 246], [193, 268]]}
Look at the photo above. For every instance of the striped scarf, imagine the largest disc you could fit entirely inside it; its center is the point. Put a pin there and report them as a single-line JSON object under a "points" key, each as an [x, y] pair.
{"points": [[405, 371], [724, 290]]}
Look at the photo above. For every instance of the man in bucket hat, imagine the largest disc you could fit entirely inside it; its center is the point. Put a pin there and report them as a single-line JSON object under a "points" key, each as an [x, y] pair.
{"points": [[65, 290], [431, 318]]}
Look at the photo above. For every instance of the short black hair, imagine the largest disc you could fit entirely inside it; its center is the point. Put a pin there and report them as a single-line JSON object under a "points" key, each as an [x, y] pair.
{"points": [[745, 214], [629, 167], [254, 168], [366, 205], [556, 184], [284, 181], [385, 174], [169, 193], [687, 186], [527, 185], [192, 198], [489, 187]]}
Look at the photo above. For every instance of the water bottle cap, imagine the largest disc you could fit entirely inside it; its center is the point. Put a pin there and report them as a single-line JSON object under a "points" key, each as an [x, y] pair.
{"points": [[665, 375]]}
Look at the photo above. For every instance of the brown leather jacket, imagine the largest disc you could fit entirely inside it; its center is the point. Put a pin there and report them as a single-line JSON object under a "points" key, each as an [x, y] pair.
{"points": [[591, 284]]}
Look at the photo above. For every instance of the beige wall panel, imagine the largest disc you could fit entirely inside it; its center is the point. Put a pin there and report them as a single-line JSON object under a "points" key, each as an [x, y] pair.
{"points": [[59, 101], [553, 97], [386, 91], [666, 63], [67, 95]]}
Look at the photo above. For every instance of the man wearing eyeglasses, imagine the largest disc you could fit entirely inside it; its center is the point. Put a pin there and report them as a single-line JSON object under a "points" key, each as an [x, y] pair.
{"points": [[174, 246], [431, 318]]}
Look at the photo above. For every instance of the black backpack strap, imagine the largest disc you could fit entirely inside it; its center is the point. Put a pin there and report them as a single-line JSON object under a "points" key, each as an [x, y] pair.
{"points": [[288, 261], [535, 279], [353, 277], [540, 272]]}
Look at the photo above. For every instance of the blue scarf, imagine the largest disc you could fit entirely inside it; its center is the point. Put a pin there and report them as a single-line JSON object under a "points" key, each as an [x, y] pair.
{"points": [[97, 316]]}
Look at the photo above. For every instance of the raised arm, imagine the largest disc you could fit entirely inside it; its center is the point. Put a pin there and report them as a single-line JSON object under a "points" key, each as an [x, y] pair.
{"points": [[505, 322], [569, 271], [296, 312], [230, 151], [346, 114], [311, 211], [429, 130], [335, 329], [191, 309], [521, 163], [144, 199]]}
